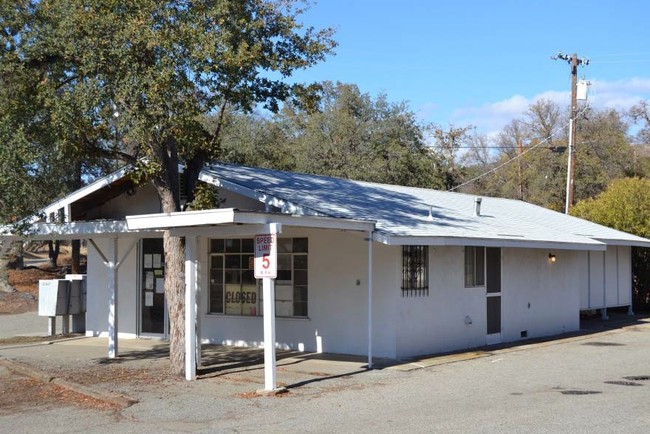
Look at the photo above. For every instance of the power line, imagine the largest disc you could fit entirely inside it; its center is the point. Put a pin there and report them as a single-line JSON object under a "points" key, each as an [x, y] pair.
{"points": [[494, 169]]}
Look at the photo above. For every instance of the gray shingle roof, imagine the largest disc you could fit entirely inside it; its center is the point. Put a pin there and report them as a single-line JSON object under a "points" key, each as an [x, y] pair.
{"points": [[402, 213]]}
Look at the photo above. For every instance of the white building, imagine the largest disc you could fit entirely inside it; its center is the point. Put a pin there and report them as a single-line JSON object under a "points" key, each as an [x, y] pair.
{"points": [[419, 271]]}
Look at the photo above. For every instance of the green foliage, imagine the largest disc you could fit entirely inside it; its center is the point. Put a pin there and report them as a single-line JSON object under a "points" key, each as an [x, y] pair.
{"points": [[602, 150], [449, 142], [625, 206], [134, 81], [126, 80], [640, 114], [346, 134], [206, 196]]}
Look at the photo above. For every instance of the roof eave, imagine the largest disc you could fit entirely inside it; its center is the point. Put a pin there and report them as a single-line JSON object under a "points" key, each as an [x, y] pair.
{"points": [[631, 243], [486, 242]]}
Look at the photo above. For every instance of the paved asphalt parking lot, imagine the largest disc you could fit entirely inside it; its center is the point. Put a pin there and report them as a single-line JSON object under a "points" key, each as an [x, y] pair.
{"points": [[596, 382]]}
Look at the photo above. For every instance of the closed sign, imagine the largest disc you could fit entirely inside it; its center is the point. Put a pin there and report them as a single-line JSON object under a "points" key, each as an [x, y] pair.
{"points": [[266, 264]]}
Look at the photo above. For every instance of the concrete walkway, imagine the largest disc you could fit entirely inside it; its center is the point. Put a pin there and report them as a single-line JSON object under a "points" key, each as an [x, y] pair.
{"points": [[593, 382], [24, 324]]}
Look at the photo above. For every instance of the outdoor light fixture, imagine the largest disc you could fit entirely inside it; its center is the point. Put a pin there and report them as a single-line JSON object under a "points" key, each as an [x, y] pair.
{"points": [[551, 257]]}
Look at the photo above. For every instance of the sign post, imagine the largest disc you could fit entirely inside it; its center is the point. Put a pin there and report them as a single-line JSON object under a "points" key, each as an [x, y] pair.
{"points": [[266, 266]]}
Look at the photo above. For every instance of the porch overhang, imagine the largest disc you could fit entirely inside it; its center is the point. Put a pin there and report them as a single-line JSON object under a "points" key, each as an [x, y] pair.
{"points": [[75, 231], [203, 222]]}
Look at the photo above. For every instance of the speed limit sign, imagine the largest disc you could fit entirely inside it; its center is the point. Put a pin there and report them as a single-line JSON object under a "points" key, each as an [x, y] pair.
{"points": [[266, 263]]}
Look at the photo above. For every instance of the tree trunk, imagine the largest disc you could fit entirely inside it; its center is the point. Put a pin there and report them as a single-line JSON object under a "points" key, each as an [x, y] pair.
{"points": [[20, 255], [5, 263], [53, 252], [4, 283], [76, 256], [76, 183], [167, 188], [175, 293]]}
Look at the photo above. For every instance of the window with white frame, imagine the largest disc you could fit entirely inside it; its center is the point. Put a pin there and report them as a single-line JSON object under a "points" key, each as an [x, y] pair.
{"points": [[234, 289], [415, 270], [474, 266]]}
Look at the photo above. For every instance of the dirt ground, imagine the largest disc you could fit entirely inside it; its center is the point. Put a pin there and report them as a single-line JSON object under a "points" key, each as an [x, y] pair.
{"points": [[25, 281], [19, 393]]}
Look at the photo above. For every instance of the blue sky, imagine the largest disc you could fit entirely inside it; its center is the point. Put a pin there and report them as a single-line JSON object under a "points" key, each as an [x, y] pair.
{"points": [[483, 62]]}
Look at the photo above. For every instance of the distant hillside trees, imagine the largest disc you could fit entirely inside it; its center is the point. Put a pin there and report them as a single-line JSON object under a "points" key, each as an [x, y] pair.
{"points": [[346, 134]]}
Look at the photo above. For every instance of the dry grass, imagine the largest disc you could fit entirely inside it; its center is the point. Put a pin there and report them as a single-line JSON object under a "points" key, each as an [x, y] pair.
{"points": [[25, 281]]}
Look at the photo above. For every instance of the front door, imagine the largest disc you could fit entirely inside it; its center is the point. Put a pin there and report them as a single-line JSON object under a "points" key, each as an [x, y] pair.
{"points": [[153, 309], [493, 293]]}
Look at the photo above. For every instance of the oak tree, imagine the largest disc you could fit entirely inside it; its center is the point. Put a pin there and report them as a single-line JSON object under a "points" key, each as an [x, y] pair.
{"points": [[134, 82]]}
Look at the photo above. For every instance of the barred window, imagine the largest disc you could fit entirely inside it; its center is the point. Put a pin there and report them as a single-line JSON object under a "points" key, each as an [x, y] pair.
{"points": [[415, 271]]}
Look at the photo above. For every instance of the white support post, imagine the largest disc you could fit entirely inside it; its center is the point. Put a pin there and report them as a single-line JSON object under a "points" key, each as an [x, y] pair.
{"points": [[112, 299], [603, 311], [65, 325], [113, 265], [630, 311], [370, 300], [51, 326], [190, 307], [268, 290], [268, 293]]}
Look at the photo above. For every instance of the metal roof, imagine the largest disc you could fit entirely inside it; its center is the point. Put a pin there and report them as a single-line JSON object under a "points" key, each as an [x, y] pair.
{"points": [[402, 213]]}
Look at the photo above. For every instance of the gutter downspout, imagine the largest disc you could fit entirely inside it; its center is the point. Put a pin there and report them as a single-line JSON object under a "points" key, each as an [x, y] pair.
{"points": [[370, 299]]}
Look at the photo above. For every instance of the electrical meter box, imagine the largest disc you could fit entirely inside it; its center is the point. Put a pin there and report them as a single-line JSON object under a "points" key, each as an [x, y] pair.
{"points": [[62, 296], [77, 302], [53, 297]]}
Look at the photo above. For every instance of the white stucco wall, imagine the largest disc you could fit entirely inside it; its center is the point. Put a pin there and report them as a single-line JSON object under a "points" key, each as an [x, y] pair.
{"points": [[338, 313], [436, 323], [539, 297], [609, 281], [144, 201], [98, 294]]}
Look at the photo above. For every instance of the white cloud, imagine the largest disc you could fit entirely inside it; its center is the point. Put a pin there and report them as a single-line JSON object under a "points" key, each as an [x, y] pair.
{"points": [[491, 117]]}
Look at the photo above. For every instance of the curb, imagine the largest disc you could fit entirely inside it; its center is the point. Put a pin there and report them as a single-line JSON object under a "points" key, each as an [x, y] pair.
{"points": [[120, 400]]}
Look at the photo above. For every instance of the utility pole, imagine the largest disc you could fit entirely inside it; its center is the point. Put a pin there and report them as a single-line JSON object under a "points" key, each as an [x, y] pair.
{"points": [[571, 163], [520, 152]]}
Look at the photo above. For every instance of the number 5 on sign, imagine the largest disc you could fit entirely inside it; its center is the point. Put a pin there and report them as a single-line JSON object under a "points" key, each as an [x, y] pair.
{"points": [[266, 264]]}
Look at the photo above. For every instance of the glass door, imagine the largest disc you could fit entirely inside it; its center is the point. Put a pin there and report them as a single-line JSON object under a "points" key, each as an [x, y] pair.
{"points": [[153, 308]]}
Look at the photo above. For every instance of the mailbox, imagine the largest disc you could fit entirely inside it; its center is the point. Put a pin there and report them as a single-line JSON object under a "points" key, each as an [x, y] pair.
{"points": [[53, 297], [63, 297]]}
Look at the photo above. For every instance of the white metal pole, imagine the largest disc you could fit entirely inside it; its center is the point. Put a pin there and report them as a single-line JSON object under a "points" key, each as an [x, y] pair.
{"points": [[268, 289], [604, 309], [190, 308], [112, 299], [268, 292], [569, 177], [370, 299]]}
